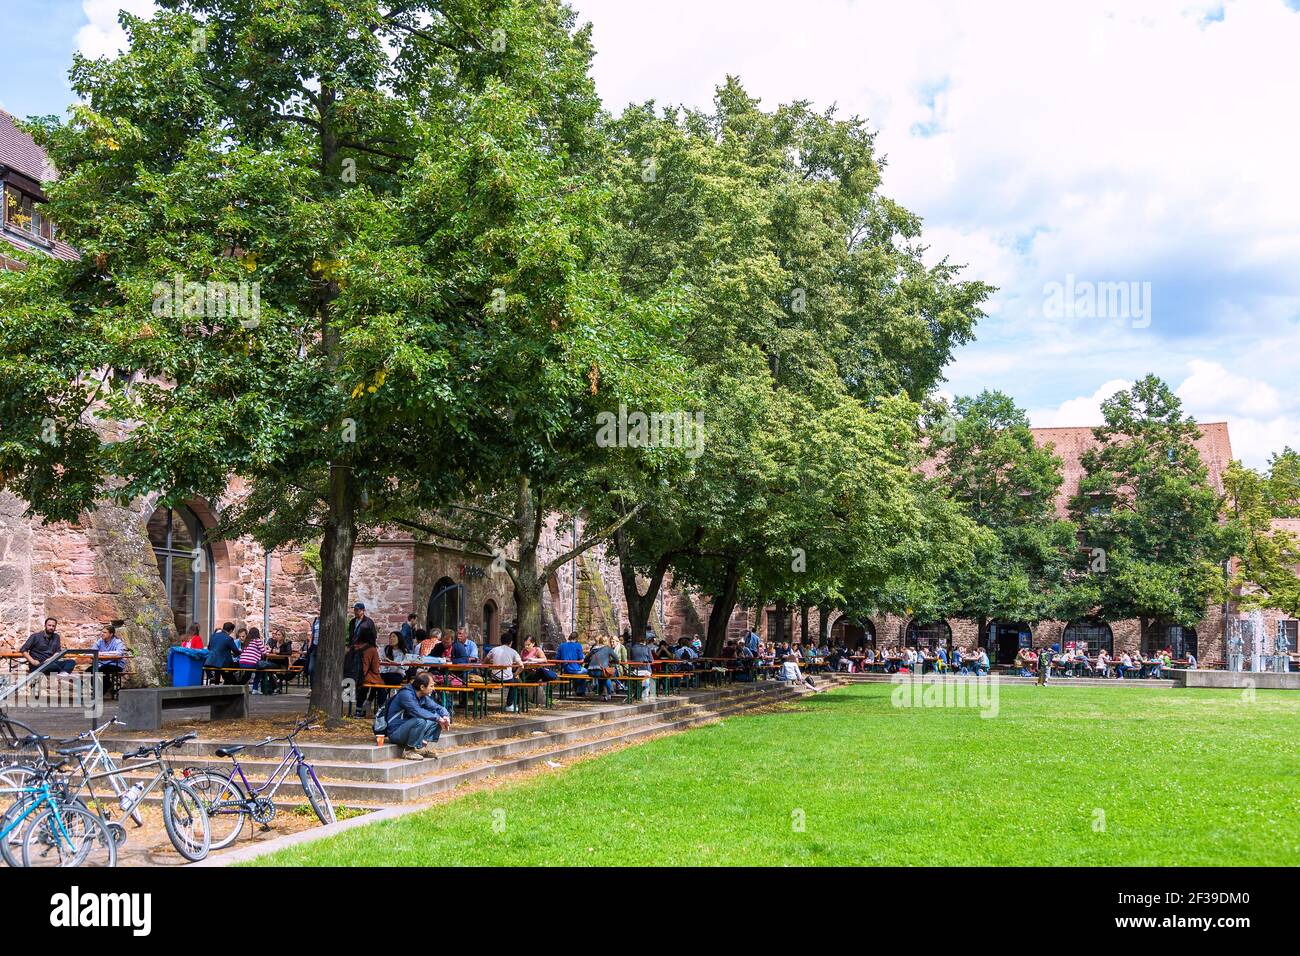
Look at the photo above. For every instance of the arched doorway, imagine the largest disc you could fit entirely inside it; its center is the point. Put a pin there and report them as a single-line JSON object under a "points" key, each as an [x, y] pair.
{"points": [[185, 566], [445, 609], [491, 623], [1091, 633], [930, 635], [853, 634], [1180, 640], [1005, 639]]}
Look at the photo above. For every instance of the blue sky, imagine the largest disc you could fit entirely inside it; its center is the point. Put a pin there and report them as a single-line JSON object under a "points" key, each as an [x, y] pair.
{"points": [[1144, 142]]}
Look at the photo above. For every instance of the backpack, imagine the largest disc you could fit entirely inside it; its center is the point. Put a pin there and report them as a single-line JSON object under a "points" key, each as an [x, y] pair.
{"points": [[354, 666]]}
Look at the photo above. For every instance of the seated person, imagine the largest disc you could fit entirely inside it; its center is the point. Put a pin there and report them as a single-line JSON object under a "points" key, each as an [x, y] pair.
{"points": [[536, 656], [392, 666], [253, 657], [572, 654], [414, 718], [193, 640], [602, 663], [43, 645], [790, 672], [505, 659], [1124, 666], [982, 662], [223, 651], [110, 643]]}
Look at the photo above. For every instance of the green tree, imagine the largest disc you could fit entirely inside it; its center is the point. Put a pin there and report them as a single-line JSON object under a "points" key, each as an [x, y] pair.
{"points": [[1154, 547], [409, 184], [988, 462], [811, 325], [1267, 570]]}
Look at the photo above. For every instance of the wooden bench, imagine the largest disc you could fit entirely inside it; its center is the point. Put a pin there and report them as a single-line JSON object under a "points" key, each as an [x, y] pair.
{"points": [[476, 694], [142, 708], [251, 672], [521, 700]]}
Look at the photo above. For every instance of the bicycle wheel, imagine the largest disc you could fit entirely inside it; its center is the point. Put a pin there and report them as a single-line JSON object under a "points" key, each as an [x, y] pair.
{"points": [[19, 744], [186, 821], [320, 800], [68, 835], [223, 797], [14, 829]]}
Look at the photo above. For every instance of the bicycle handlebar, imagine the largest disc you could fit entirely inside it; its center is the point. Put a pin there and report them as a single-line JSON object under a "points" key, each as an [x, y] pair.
{"points": [[159, 747]]}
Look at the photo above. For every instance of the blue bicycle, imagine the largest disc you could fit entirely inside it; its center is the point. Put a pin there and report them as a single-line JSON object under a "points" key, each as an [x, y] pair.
{"points": [[46, 824]]}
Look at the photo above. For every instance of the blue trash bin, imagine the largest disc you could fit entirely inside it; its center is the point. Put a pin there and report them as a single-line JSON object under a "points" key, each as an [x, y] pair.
{"points": [[185, 664]]}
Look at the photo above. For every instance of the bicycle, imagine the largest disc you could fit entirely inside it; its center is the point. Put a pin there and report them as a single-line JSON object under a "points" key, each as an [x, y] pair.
{"points": [[230, 802], [60, 830], [19, 744], [99, 758], [184, 815]]}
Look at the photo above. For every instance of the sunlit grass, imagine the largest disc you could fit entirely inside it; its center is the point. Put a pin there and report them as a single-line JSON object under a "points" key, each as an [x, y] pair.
{"points": [[1062, 775]]}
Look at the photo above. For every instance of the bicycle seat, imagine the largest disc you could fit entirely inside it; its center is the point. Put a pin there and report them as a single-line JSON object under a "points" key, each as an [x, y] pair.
{"points": [[229, 751], [71, 751]]}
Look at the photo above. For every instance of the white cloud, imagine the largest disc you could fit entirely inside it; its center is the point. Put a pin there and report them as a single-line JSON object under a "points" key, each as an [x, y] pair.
{"points": [[1211, 386], [103, 35], [1082, 411]]}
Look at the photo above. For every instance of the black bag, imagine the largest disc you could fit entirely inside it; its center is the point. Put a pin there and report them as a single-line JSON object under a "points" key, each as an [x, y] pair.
{"points": [[354, 666]]}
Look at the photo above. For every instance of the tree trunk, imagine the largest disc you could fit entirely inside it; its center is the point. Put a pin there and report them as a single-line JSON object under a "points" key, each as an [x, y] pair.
{"points": [[803, 623], [782, 611], [824, 624], [529, 583], [720, 615], [639, 606], [337, 547]]}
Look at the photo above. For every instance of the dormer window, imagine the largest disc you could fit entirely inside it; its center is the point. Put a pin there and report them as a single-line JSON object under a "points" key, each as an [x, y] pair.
{"points": [[23, 213]]}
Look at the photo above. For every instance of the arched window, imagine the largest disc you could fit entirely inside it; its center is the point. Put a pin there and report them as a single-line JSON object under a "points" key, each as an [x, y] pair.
{"points": [[185, 565], [1180, 640], [1092, 633], [491, 623], [929, 636], [445, 605]]}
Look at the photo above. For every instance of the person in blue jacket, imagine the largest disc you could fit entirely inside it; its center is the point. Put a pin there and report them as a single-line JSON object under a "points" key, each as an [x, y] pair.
{"points": [[572, 653], [223, 649], [414, 718]]}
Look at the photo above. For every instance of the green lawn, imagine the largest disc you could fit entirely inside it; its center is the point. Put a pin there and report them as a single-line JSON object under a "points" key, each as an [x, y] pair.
{"points": [[1183, 777]]}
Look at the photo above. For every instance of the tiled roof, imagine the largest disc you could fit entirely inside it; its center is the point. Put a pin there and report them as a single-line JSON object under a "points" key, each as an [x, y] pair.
{"points": [[19, 152], [1069, 444]]}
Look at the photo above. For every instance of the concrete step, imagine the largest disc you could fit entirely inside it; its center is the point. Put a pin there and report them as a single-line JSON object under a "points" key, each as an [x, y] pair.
{"points": [[440, 781], [366, 780], [394, 769]]}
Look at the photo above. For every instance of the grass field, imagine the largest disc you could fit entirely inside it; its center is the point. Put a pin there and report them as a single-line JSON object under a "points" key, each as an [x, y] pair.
{"points": [[1182, 777]]}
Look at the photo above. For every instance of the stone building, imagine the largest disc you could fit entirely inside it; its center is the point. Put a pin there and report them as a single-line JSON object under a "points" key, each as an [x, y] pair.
{"points": [[156, 572]]}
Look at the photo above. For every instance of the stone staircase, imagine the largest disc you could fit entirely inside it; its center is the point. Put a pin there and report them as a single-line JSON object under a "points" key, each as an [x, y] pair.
{"points": [[363, 775]]}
